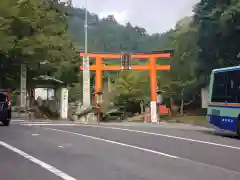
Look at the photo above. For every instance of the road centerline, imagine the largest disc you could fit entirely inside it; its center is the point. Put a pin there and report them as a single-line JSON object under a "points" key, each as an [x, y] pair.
{"points": [[44, 165]]}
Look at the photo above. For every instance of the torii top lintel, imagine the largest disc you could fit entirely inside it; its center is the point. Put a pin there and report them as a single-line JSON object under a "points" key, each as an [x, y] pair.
{"points": [[154, 54]]}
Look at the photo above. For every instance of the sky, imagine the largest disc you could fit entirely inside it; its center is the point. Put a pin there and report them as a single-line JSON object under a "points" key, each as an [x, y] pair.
{"points": [[156, 16]]}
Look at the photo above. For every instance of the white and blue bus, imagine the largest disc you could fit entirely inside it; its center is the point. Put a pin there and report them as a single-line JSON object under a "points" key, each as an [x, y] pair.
{"points": [[224, 99]]}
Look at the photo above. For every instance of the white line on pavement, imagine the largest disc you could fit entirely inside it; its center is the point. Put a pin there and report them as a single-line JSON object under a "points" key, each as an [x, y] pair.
{"points": [[28, 122], [36, 124], [118, 143], [16, 120], [143, 149], [143, 132], [165, 135], [39, 162]]}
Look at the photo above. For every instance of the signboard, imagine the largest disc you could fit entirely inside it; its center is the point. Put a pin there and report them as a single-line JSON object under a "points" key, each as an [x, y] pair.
{"points": [[204, 96], [153, 108], [23, 98], [86, 64], [64, 103], [126, 60]]}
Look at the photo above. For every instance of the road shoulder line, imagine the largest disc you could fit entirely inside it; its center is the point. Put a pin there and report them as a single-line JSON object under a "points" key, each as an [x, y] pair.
{"points": [[142, 149], [115, 142], [44, 165], [165, 135]]}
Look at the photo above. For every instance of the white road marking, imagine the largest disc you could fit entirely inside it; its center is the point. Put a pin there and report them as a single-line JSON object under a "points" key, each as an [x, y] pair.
{"points": [[165, 135], [143, 132], [16, 120], [35, 122], [65, 145], [118, 143], [46, 166], [144, 149], [30, 124]]}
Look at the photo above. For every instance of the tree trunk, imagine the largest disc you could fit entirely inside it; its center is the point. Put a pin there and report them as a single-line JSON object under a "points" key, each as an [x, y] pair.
{"points": [[142, 107], [109, 84], [171, 106]]}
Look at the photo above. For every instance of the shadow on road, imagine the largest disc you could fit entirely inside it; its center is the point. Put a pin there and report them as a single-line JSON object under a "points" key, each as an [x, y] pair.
{"points": [[221, 133], [1, 125]]}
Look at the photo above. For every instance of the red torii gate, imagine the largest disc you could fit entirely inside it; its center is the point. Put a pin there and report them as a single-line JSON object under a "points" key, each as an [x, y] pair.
{"points": [[151, 66]]}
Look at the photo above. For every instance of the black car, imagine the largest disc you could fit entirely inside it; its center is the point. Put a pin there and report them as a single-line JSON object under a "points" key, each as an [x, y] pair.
{"points": [[5, 107]]}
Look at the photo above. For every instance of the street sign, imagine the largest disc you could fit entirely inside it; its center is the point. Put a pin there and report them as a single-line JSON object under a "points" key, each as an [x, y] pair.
{"points": [[126, 60], [86, 64]]}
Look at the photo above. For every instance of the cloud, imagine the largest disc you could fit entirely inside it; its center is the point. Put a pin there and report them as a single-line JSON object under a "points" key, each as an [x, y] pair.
{"points": [[121, 17], [153, 15]]}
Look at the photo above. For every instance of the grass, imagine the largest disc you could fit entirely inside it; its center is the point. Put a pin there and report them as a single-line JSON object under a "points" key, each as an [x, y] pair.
{"points": [[138, 118], [186, 119], [191, 119]]}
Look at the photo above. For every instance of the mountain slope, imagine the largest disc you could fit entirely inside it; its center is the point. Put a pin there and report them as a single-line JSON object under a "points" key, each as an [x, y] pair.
{"points": [[108, 35]]}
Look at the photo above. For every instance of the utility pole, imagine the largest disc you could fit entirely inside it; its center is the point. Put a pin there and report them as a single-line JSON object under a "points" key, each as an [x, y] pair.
{"points": [[86, 72]]}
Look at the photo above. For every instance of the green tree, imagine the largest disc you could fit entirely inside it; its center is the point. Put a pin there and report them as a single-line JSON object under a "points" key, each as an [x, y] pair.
{"points": [[218, 29], [175, 84], [131, 86], [33, 31]]}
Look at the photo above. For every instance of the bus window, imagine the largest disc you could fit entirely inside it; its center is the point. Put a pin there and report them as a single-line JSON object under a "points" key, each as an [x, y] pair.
{"points": [[232, 87], [219, 87], [238, 87]]}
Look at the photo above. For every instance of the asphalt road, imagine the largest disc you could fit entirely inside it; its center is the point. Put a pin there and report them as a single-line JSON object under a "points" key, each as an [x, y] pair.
{"points": [[116, 152]]}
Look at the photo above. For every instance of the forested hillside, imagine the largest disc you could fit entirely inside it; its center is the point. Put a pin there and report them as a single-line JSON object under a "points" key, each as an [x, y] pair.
{"points": [[209, 39], [109, 36]]}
